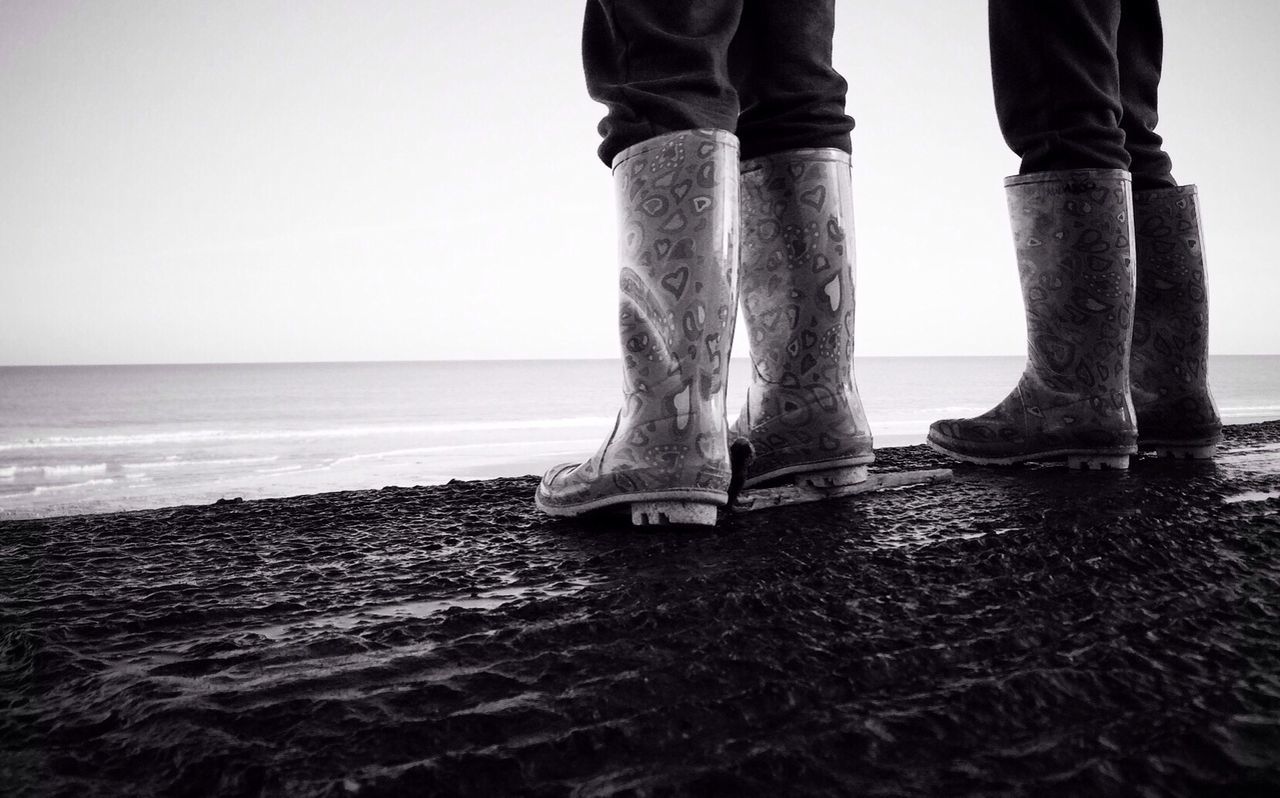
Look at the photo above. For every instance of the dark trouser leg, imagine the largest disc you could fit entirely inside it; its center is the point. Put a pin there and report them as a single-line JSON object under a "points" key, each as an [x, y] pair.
{"points": [[1140, 46], [1057, 82], [803, 417], [659, 66], [1176, 412], [780, 61]]}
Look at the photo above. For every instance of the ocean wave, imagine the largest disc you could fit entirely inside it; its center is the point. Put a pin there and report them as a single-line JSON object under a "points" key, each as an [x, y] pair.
{"points": [[70, 469], [206, 436], [1249, 410], [536, 446], [42, 489], [61, 470], [11, 473], [176, 462], [280, 469]]}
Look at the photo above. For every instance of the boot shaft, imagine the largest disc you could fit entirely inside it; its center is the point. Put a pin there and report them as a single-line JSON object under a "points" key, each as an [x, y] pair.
{"points": [[803, 416], [798, 266], [1171, 324], [677, 199], [1073, 235], [668, 455]]}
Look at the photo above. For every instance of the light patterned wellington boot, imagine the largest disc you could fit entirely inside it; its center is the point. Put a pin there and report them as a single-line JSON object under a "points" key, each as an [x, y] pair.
{"points": [[667, 459], [1169, 368], [803, 417], [1073, 234]]}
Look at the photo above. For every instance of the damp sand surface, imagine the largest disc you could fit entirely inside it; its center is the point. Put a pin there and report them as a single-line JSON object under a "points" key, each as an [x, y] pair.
{"points": [[1017, 631]]}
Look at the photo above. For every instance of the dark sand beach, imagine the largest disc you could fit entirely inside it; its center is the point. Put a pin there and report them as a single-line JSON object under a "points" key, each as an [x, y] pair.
{"points": [[1017, 631]]}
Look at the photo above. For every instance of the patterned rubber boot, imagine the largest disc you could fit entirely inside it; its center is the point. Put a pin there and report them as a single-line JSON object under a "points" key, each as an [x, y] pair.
{"points": [[1073, 234], [803, 417], [1176, 413], [667, 459]]}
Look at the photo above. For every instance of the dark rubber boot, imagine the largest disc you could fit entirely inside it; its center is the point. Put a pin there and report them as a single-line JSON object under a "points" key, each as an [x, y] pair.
{"points": [[1169, 369], [803, 416], [667, 460], [1073, 235]]}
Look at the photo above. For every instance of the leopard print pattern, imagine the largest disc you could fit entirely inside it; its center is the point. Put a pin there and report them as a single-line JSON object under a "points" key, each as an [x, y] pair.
{"points": [[678, 205], [1073, 234], [803, 412], [1169, 367]]}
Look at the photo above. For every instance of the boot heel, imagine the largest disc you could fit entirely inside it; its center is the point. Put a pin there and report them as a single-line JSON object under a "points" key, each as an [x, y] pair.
{"points": [[1186, 452], [833, 477], [673, 513], [1115, 462]]}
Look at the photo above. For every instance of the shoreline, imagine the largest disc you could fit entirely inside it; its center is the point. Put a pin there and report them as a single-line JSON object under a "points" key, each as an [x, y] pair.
{"points": [[169, 436], [1019, 629], [300, 481]]}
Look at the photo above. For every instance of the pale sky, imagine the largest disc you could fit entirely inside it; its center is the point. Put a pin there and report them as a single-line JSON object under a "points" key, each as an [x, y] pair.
{"points": [[197, 181]]}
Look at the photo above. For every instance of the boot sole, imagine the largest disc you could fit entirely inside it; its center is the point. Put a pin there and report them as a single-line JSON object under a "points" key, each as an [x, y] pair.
{"points": [[849, 471], [1182, 448], [1180, 451], [1080, 459], [668, 508], [673, 513]]}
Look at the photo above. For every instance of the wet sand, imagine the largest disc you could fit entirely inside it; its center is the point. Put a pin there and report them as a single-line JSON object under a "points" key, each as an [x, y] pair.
{"points": [[1021, 630]]}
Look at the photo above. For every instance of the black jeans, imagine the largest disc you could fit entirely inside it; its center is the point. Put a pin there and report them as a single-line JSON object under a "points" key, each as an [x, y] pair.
{"points": [[1076, 82], [757, 68]]}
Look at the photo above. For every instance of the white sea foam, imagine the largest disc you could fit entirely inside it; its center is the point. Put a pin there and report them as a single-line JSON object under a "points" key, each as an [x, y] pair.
{"points": [[171, 461], [536, 447], [279, 469], [71, 469], [359, 431], [1254, 410], [42, 489], [64, 470], [52, 471], [175, 462]]}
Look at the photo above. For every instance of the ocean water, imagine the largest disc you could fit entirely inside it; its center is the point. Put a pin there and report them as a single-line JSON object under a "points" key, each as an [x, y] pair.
{"points": [[101, 438]]}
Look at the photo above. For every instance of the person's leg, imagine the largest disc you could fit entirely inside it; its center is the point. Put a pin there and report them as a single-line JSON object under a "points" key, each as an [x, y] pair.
{"points": [[1139, 55], [1170, 363], [803, 419], [659, 66], [780, 64], [1056, 81], [1058, 101]]}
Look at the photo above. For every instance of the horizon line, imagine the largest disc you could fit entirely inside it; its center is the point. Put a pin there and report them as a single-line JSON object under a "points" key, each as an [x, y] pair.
{"points": [[490, 360]]}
